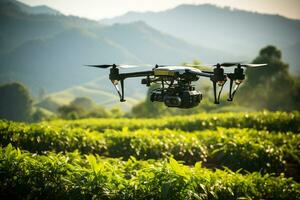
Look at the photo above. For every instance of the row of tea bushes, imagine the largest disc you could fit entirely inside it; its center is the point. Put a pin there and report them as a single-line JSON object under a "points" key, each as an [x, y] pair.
{"points": [[272, 121], [72, 176], [248, 149]]}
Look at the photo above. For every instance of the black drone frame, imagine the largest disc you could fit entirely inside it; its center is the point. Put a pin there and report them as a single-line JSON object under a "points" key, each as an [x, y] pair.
{"points": [[218, 77]]}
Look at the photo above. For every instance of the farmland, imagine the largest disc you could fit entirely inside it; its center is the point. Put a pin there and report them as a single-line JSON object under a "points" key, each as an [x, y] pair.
{"points": [[205, 156]]}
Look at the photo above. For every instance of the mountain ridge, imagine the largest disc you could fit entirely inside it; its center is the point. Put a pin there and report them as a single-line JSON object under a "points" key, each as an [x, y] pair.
{"points": [[236, 31], [34, 10]]}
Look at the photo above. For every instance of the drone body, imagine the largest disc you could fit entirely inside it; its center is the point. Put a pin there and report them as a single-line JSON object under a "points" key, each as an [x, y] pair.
{"points": [[176, 82]]}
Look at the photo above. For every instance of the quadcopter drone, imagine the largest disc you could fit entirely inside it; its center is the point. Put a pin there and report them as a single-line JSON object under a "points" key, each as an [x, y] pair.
{"points": [[176, 89]]}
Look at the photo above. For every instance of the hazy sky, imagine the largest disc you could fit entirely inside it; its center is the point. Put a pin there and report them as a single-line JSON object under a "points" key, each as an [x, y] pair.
{"points": [[98, 9]]}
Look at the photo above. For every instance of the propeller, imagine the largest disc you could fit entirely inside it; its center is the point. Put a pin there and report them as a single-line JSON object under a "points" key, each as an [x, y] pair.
{"points": [[238, 64], [218, 65], [102, 66], [124, 66], [252, 65], [227, 64]]}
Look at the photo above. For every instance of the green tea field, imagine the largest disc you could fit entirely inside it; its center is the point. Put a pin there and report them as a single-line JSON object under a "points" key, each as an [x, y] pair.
{"points": [[205, 156]]}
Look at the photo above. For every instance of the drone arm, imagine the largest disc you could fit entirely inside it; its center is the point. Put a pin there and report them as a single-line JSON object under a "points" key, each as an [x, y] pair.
{"points": [[135, 74], [122, 91], [230, 98], [215, 92], [238, 76], [200, 73], [204, 74], [234, 91], [219, 95]]}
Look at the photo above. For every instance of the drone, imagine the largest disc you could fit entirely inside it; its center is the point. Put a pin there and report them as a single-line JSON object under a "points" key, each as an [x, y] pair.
{"points": [[176, 89]]}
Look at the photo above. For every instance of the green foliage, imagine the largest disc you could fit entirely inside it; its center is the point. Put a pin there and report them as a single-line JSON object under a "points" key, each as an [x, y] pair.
{"points": [[41, 114], [83, 107], [116, 112], [246, 149], [70, 112], [48, 104], [70, 176], [15, 102], [84, 103], [99, 112], [272, 121], [37, 138], [70, 160]]}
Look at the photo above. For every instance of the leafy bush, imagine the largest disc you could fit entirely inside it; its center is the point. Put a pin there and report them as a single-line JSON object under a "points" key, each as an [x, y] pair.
{"points": [[56, 176], [248, 149], [37, 138], [272, 121]]}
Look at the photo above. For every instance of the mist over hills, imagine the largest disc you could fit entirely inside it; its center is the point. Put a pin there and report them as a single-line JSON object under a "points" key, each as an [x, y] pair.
{"points": [[49, 51], [234, 31], [18, 27]]}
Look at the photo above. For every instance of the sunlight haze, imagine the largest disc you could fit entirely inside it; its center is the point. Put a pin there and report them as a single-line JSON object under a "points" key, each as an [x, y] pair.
{"points": [[99, 9]]}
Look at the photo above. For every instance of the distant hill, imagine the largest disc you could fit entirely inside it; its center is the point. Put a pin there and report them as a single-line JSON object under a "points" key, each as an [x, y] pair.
{"points": [[56, 63], [18, 27], [153, 46], [49, 51], [33, 10], [234, 31]]}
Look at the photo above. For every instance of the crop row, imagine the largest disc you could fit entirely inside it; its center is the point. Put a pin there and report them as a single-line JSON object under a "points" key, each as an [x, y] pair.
{"points": [[70, 176], [248, 149], [272, 121]]}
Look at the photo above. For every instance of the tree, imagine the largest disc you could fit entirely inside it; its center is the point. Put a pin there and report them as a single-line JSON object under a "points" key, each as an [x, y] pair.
{"points": [[116, 112], [268, 87], [276, 68], [15, 102], [70, 112], [83, 107], [84, 103], [41, 114], [98, 112]]}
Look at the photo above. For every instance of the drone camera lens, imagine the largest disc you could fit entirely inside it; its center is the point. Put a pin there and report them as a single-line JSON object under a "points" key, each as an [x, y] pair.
{"points": [[172, 101]]}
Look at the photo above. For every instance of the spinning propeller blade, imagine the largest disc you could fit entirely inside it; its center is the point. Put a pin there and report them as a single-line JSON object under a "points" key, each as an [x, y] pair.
{"points": [[124, 66], [228, 64], [253, 65], [100, 66]]}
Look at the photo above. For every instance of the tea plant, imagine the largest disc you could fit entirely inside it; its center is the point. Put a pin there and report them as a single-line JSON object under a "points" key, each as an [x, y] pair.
{"points": [[72, 176]]}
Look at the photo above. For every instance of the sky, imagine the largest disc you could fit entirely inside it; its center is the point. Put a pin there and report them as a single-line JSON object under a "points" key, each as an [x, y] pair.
{"points": [[99, 9]]}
